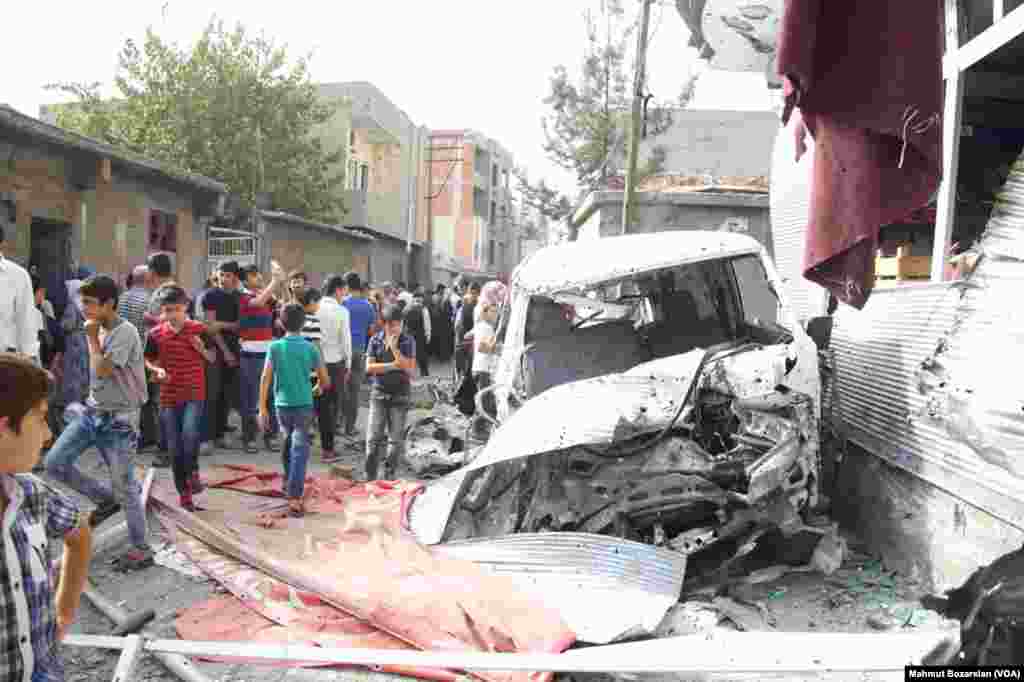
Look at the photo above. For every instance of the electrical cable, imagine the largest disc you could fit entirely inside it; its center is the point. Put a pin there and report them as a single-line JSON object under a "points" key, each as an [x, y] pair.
{"points": [[730, 347]]}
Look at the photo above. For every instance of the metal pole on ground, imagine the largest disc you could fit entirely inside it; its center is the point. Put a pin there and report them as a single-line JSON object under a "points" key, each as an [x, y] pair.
{"points": [[175, 663]]}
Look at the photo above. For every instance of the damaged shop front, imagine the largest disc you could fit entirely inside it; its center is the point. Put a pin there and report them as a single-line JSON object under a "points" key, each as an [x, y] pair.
{"points": [[924, 398]]}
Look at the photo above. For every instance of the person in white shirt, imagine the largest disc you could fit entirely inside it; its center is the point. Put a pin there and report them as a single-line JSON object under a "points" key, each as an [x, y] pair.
{"points": [[485, 361], [336, 348], [19, 318]]}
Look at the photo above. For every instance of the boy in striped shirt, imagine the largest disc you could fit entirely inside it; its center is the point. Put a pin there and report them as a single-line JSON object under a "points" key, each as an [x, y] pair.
{"points": [[310, 300], [256, 332], [176, 354]]}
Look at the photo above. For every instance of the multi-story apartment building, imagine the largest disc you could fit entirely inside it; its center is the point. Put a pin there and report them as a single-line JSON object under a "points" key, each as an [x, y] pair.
{"points": [[385, 190], [472, 217]]}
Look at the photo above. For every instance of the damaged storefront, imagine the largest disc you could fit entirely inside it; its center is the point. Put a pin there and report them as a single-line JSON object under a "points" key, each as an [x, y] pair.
{"points": [[922, 398]]}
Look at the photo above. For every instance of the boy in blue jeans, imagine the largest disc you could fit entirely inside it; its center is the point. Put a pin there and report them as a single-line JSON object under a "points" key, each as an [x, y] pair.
{"points": [[176, 353], [34, 614], [109, 421], [290, 360]]}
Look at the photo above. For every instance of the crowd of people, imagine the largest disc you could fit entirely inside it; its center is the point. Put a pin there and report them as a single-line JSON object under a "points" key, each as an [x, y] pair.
{"points": [[149, 366]]}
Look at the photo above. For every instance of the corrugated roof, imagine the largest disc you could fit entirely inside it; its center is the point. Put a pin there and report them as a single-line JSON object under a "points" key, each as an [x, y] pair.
{"points": [[26, 125], [589, 262], [299, 220]]}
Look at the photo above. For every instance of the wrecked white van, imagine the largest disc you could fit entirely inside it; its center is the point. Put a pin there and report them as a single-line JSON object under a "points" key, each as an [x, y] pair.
{"points": [[653, 387]]}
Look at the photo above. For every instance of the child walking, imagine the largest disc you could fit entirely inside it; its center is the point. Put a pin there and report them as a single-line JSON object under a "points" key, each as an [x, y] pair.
{"points": [[290, 361], [390, 364], [109, 421], [176, 354], [33, 618]]}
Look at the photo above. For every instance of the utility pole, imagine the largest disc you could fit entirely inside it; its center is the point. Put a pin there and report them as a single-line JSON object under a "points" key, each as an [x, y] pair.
{"points": [[635, 120]]}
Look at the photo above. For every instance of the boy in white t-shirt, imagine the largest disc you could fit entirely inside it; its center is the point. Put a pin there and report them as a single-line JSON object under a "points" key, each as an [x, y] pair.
{"points": [[485, 362]]}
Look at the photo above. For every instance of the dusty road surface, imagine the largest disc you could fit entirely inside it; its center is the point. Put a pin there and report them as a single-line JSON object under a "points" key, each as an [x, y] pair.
{"points": [[862, 596]]}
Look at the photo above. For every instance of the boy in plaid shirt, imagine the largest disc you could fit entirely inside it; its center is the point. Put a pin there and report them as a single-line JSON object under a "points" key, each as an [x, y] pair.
{"points": [[32, 618]]}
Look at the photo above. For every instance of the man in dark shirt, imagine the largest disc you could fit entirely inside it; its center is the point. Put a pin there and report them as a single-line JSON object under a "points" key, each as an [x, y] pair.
{"points": [[464, 323], [222, 307]]}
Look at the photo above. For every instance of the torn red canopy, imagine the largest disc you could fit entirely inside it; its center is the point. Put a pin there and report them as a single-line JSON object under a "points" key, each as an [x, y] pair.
{"points": [[353, 551], [867, 78]]}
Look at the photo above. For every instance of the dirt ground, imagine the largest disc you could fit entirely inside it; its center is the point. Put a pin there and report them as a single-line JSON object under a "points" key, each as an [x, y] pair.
{"points": [[861, 596]]}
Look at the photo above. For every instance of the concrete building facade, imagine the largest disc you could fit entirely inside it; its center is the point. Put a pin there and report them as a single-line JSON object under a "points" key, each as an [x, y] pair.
{"points": [[384, 191], [715, 176], [473, 219]]}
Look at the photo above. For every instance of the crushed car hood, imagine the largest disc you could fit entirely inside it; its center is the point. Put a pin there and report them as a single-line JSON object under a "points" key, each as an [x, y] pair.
{"points": [[597, 411]]}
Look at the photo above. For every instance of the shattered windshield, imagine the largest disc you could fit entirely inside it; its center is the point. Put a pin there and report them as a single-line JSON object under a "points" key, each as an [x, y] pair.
{"points": [[671, 311], [615, 326]]}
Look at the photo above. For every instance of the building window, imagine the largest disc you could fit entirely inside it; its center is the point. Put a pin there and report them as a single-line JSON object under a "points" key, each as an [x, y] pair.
{"points": [[163, 231], [479, 203], [490, 253], [352, 138], [364, 177], [506, 179], [353, 174], [494, 175], [494, 212]]}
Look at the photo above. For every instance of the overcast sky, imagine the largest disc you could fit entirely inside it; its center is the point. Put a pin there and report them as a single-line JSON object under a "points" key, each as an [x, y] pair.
{"points": [[481, 64]]}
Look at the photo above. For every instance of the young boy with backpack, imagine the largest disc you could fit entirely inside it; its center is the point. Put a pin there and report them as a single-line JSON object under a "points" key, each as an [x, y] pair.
{"points": [[289, 362]]}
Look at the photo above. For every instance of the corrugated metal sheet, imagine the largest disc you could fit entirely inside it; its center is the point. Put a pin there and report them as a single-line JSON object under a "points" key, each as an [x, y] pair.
{"points": [[963, 430], [588, 262], [602, 586], [790, 200], [977, 379]]}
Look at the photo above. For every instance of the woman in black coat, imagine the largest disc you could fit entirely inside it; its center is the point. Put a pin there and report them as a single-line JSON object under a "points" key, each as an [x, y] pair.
{"points": [[442, 333]]}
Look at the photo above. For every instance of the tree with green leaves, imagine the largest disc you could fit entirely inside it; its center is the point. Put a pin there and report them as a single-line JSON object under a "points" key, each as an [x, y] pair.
{"points": [[231, 107], [587, 131]]}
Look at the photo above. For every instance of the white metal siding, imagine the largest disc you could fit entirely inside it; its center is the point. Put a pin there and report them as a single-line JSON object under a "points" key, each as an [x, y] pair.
{"points": [[790, 199], [952, 431]]}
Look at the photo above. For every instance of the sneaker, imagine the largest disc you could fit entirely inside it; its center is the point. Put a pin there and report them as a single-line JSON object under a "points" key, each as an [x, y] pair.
{"points": [[206, 449], [102, 513], [250, 447], [329, 456], [135, 559]]}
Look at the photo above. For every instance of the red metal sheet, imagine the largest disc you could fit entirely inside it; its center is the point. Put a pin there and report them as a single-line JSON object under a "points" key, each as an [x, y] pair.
{"points": [[353, 551], [262, 608]]}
